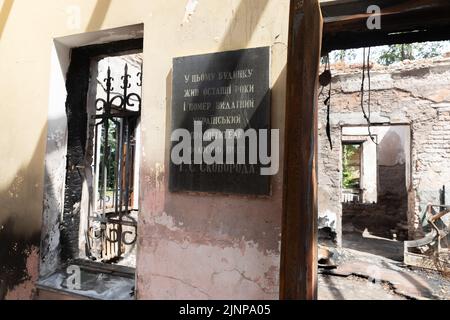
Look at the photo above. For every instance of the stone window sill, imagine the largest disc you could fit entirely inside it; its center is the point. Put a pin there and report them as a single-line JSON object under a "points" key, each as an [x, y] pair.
{"points": [[98, 282]]}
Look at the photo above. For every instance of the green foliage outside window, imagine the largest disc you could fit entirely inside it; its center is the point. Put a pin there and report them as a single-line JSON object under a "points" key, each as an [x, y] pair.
{"points": [[351, 169]]}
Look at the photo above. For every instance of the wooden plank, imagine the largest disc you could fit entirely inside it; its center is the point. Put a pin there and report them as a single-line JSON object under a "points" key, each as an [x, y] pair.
{"points": [[298, 274], [47, 293], [352, 40], [334, 11], [402, 21]]}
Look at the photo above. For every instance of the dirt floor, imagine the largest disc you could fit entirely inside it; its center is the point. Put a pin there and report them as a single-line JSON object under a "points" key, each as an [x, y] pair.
{"points": [[373, 270]]}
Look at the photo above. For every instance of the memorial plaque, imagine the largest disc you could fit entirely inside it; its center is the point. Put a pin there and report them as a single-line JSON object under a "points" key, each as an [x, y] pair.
{"points": [[223, 91]]}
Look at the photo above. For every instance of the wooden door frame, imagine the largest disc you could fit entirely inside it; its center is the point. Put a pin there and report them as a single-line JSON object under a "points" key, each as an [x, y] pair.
{"points": [[344, 27]]}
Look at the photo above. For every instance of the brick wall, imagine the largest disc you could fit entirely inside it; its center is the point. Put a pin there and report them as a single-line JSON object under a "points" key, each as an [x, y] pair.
{"points": [[413, 93]]}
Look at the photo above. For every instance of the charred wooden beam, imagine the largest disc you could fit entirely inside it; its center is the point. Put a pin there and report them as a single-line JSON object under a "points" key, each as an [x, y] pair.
{"points": [[298, 274], [402, 21]]}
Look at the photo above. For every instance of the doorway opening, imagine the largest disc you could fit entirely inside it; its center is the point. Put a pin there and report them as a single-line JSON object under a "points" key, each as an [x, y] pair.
{"points": [[351, 172], [374, 188]]}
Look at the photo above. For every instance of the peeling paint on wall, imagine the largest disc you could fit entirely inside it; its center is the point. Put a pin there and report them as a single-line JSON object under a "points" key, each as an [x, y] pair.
{"points": [[19, 256], [200, 245], [211, 267], [20, 221]]}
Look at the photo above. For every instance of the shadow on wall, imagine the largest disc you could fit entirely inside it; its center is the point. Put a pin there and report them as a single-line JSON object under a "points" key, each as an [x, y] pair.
{"points": [[20, 226], [4, 14], [238, 36], [98, 15]]}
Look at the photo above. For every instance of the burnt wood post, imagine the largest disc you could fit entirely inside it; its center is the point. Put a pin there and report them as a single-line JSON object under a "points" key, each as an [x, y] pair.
{"points": [[298, 270]]}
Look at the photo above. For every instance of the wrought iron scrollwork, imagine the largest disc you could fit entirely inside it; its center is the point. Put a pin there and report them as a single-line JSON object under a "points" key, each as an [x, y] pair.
{"points": [[139, 84], [117, 105], [113, 227]]}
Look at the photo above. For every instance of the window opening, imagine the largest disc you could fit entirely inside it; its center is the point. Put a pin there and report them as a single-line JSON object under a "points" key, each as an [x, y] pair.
{"points": [[111, 231]]}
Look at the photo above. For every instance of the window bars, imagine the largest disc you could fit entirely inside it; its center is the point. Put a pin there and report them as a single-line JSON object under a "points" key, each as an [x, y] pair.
{"points": [[112, 229]]}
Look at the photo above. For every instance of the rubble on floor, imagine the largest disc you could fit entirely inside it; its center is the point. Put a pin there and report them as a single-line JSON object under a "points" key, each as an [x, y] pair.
{"points": [[326, 258], [359, 276]]}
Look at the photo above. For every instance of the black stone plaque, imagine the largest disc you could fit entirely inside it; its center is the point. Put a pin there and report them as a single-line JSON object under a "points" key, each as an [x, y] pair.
{"points": [[226, 90]]}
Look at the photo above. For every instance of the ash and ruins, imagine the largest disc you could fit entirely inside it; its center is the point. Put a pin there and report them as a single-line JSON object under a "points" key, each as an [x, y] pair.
{"points": [[352, 98], [384, 167]]}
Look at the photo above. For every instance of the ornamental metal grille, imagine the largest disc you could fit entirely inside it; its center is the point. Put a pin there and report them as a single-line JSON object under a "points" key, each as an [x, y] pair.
{"points": [[112, 226]]}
